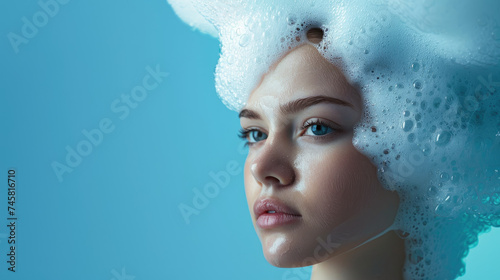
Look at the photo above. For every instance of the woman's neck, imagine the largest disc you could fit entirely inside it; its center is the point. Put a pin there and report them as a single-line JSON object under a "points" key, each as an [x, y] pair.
{"points": [[382, 258]]}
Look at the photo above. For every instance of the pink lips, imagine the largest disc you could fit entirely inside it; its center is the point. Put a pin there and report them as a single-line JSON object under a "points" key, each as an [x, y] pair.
{"points": [[272, 213]]}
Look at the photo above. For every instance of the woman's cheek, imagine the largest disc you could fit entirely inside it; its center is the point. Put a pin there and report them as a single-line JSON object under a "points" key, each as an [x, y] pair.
{"points": [[337, 183], [251, 185]]}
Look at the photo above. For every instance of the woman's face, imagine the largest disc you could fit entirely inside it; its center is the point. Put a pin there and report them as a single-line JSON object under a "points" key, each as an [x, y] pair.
{"points": [[311, 194]]}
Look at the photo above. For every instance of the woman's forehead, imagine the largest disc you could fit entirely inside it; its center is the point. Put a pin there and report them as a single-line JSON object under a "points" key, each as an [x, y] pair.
{"points": [[301, 73]]}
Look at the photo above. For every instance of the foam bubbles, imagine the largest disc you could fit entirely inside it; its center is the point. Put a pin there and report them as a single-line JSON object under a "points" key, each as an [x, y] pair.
{"points": [[430, 76], [443, 138]]}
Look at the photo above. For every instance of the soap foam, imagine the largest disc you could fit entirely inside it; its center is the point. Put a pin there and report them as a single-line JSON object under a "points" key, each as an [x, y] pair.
{"points": [[430, 79]]}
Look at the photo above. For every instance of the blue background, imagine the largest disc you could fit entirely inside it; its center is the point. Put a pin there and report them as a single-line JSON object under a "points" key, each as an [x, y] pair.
{"points": [[116, 215]]}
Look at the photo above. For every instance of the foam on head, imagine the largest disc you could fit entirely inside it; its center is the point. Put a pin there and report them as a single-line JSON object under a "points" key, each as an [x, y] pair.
{"points": [[430, 79]]}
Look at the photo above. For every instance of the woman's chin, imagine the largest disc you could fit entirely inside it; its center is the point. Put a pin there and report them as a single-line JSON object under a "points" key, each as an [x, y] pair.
{"points": [[290, 260], [283, 261], [280, 252], [286, 254]]}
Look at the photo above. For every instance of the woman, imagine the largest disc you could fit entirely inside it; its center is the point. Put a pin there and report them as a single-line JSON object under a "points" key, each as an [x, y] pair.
{"points": [[344, 102], [312, 196]]}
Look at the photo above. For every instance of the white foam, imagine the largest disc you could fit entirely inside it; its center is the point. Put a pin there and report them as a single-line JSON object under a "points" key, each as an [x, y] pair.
{"points": [[188, 13]]}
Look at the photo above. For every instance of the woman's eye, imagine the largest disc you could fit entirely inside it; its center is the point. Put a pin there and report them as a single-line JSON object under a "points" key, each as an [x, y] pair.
{"points": [[252, 135], [318, 130], [256, 136]]}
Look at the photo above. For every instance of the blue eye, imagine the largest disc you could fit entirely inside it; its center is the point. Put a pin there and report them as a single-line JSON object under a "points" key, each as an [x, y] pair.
{"points": [[319, 129], [252, 135], [256, 136]]}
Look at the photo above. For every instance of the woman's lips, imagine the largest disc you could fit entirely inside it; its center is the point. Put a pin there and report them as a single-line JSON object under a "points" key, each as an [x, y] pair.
{"points": [[271, 213], [267, 221]]}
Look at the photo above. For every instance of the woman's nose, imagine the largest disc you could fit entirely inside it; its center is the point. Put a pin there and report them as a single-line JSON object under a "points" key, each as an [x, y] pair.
{"points": [[273, 165]]}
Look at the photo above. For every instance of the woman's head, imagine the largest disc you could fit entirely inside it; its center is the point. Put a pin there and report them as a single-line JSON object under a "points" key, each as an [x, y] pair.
{"points": [[299, 124]]}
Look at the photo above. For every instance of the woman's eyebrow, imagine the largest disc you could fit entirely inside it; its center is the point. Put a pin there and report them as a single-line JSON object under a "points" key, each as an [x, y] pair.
{"points": [[249, 114], [302, 103], [298, 105]]}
